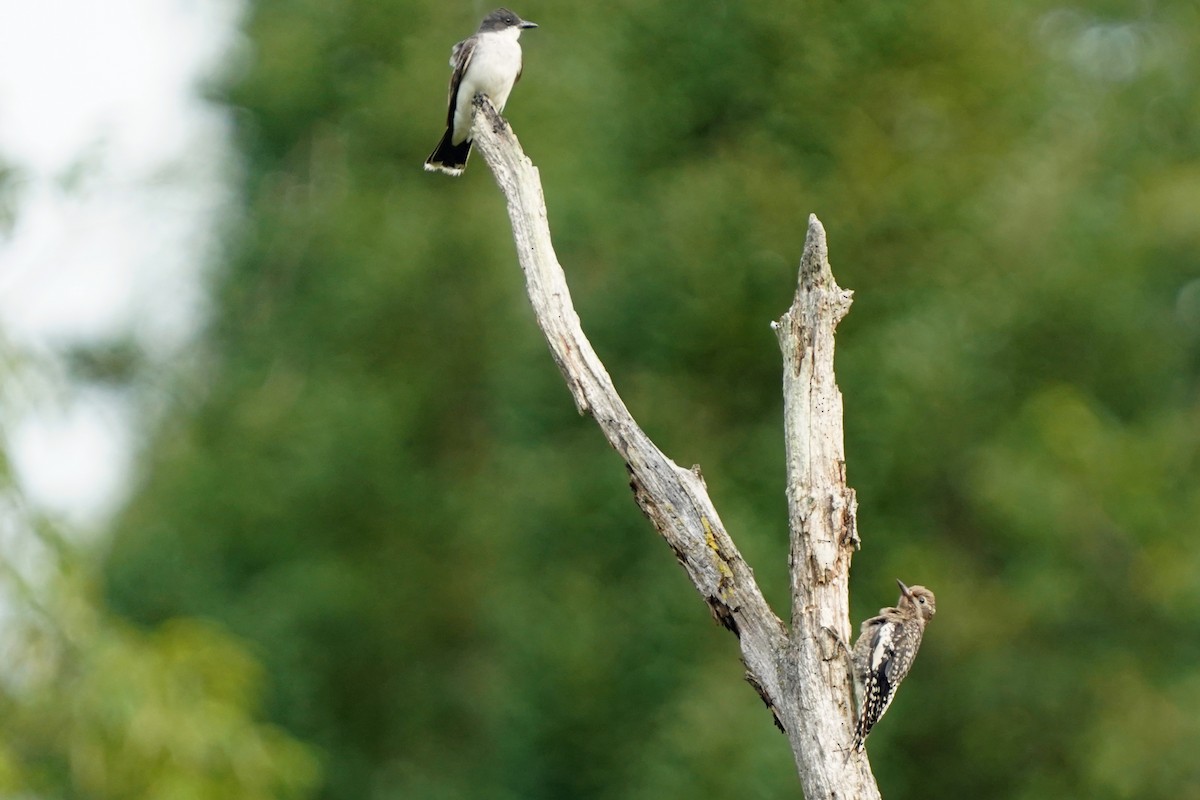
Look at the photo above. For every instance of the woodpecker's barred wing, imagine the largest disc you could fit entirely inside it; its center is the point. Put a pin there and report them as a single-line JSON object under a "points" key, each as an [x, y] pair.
{"points": [[460, 57], [875, 642], [879, 667], [892, 654], [883, 647]]}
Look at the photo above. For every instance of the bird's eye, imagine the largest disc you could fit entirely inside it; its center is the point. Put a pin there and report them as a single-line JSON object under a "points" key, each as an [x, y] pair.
{"points": [[921, 600]]}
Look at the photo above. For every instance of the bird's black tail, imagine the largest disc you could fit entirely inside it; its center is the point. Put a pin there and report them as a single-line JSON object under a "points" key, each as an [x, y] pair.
{"points": [[449, 157]]}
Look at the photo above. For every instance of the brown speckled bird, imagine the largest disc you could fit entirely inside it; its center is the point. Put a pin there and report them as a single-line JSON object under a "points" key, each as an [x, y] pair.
{"points": [[884, 653]]}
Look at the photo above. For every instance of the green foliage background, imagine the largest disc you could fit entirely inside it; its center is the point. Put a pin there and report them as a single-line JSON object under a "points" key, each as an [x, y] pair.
{"points": [[378, 484]]}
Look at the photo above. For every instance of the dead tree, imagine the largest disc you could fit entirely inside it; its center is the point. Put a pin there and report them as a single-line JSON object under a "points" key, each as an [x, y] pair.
{"points": [[800, 671]]}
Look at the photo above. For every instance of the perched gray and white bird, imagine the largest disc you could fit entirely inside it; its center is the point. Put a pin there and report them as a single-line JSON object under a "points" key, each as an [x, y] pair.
{"points": [[884, 653], [489, 62]]}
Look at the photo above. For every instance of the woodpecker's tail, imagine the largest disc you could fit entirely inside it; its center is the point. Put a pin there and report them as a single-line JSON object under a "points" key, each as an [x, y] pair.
{"points": [[449, 157], [862, 727]]}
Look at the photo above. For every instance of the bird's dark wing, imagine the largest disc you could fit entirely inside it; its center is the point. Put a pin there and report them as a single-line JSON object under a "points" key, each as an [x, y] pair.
{"points": [[460, 57], [883, 645], [899, 657]]}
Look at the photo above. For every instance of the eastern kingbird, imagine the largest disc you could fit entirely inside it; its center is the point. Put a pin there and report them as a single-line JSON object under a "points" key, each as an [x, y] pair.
{"points": [[488, 62]]}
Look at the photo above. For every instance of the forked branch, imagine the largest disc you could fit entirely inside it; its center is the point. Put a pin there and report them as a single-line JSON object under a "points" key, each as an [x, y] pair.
{"points": [[802, 678]]}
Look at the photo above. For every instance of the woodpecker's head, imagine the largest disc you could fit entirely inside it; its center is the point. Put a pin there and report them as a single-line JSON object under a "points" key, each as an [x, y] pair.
{"points": [[919, 599]]}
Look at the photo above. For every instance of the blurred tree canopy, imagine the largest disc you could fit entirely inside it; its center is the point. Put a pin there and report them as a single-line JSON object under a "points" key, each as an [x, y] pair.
{"points": [[377, 482], [92, 706]]}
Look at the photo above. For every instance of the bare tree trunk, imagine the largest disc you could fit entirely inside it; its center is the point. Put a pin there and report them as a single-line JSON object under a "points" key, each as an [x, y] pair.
{"points": [[824, 534], [802, 677]]}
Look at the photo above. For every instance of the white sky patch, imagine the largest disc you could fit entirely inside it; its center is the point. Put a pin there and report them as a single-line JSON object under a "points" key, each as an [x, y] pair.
{"points": [[122, 171], [80, 452]]}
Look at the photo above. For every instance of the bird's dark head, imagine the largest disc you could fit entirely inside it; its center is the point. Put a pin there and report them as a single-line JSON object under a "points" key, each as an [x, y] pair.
{"points": [[918, 598], [502, 19]]}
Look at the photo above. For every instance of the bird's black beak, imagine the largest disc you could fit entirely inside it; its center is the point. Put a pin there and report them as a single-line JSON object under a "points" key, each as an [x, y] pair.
{"points": [[527, 24], [904, 589]]}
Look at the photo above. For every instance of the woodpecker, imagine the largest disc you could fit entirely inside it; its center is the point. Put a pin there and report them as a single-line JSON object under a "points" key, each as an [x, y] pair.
{"points": [[884, 653]]}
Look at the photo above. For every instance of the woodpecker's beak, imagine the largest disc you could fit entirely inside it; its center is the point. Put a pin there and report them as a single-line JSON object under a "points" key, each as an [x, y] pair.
{"points": [[527, 24], [904, 589]]}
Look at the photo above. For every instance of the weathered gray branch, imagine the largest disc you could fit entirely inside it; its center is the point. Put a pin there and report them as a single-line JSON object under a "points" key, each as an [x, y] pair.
{"points": [[802, 678], [821, 517]]}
